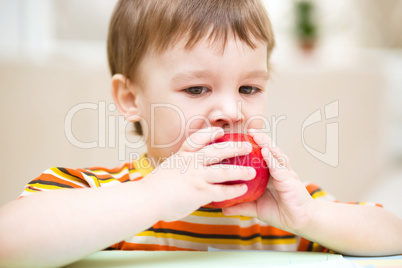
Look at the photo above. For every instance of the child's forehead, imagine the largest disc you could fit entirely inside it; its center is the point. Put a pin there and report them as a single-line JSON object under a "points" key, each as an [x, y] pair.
{"points": [[207, 56], [208, 43], [204, 54]]}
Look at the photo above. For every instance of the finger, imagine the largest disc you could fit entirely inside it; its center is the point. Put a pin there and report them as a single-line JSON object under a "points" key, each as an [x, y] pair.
{"points": [[227, 173], [277, 169], [262, 139], [201, 138], [282, 159], [221, 192], [217, 152]]}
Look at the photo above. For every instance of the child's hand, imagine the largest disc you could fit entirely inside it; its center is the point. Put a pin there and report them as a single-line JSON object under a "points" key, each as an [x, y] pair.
{"points": [[188, 179], [286, 204]]}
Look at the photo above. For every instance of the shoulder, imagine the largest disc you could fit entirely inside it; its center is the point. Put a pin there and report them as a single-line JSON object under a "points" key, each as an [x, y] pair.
{"points": [[122, 173], [128, 171]]}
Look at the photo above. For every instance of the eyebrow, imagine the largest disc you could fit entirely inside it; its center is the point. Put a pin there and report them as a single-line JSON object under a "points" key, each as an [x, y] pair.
{"points": [[262, 74], [191, 75]]}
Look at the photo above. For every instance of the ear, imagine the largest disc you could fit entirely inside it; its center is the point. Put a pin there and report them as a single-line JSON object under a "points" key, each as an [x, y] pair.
{"points": [[124, 96]]}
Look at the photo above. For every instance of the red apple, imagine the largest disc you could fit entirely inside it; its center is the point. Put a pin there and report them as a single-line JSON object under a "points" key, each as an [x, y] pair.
{"points": [[256, 186]]}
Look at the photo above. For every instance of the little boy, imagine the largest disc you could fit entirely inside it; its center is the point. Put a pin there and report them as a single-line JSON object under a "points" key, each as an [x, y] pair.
{"points": [[207, 59]]}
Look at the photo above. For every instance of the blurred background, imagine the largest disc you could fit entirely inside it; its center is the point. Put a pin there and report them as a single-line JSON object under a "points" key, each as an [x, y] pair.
{"points": [[335, 96]]}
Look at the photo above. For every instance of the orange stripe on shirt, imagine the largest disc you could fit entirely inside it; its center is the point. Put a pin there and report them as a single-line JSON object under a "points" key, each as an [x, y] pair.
{"points": [[311, 187], [222, 229], [131, 246], [52, 178]]}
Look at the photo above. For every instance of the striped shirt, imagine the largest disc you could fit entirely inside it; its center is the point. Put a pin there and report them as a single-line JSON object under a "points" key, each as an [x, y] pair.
{"points": [[204, 228]]}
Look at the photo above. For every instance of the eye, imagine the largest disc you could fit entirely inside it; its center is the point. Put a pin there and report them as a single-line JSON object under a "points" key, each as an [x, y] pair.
{"points": [[196, 90], [247, 90]]}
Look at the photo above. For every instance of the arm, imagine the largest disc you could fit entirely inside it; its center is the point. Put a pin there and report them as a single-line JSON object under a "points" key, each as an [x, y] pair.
{"points": [[59, 227], [344, 228], [354, 229]]}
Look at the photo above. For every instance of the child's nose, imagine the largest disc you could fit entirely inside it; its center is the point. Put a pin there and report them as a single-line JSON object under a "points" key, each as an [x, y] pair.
{"points": [[226, 112]]}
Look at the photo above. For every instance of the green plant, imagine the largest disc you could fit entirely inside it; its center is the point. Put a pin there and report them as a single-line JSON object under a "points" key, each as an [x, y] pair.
{"points": [[305, 26]]}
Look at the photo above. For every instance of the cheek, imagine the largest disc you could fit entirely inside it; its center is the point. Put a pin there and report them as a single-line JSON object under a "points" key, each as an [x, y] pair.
{"points": [[166, 126], [169, 125], [163, 126], [181, 123], [257, 122], [195, 123], [256, 116]]}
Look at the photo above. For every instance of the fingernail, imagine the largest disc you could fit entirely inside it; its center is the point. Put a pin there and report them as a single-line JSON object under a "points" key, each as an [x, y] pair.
{"points": [[244, 188], [252, 130], [248, 146], [252, 172], [218, 130], [258, 139]]}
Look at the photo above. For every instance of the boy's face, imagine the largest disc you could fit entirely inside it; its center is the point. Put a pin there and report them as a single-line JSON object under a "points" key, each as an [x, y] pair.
{"points": [[182, 91]]}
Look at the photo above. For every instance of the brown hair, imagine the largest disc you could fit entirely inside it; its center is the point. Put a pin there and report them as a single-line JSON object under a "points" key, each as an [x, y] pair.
{"points": [[140, 26]]}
